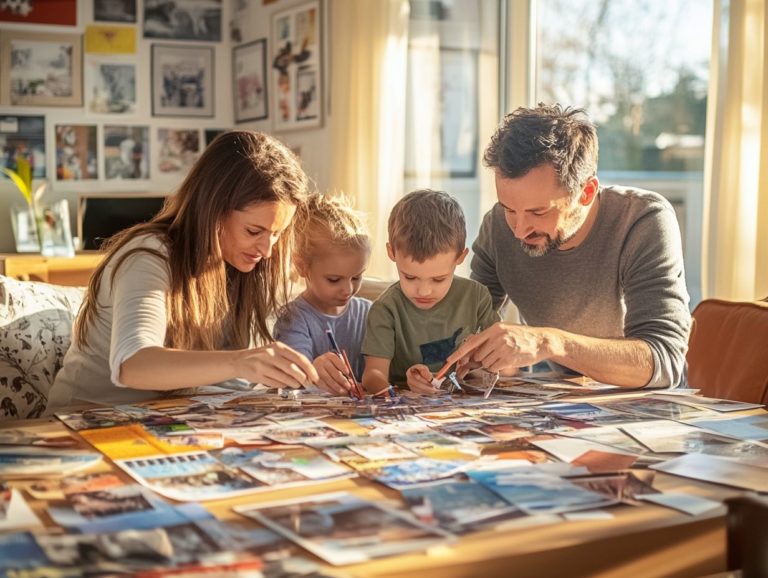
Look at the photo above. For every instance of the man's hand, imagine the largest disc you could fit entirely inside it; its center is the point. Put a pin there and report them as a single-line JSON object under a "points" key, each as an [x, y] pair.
{"points": [[503, 347], [420, 379]]}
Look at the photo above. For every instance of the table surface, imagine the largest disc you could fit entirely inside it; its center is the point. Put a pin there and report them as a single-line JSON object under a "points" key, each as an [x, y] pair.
{"points": [[645, 540]]}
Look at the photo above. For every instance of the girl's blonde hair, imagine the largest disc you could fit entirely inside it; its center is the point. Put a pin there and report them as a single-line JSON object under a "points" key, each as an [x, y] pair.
{"points": [[328, 222], [207, 297]]}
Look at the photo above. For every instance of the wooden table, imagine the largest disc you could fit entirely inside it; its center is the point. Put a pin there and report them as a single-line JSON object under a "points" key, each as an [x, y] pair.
{"points": [[645, 541]]}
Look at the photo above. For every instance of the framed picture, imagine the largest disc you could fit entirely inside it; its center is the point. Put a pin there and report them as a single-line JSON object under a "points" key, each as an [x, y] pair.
{"points": [[110, 87], [178, 149], [40, 69], [114, 10], [126, 152], [57, 12], [76, 158], [183, 20], [297, 67], [212, 133], [249, 71], [23, 136], [182, 80]]}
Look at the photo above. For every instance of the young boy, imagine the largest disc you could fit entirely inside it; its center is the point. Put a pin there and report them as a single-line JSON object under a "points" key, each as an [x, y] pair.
{"points": [[418, 322]]}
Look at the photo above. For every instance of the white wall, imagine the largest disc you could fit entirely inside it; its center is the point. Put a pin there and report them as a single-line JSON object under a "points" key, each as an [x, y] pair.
{"points": [[255, 23]]}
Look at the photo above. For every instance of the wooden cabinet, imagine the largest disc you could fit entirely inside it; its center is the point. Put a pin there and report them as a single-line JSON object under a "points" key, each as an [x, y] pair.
{"points": [[73, 271]]}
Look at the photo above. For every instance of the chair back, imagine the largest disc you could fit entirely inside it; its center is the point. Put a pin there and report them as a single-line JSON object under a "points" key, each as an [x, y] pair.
{"points": [[728, 350], [747, 537]]}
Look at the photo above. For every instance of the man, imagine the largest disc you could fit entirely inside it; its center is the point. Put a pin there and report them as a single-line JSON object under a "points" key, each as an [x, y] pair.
{"points": [[595, 272]]}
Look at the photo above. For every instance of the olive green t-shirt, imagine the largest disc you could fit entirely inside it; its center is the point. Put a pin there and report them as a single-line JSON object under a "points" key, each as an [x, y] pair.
{"points": [[398, 330]]}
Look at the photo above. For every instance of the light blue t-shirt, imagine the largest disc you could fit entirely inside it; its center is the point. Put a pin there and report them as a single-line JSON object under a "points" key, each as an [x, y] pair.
{"points": [[302, 326]]}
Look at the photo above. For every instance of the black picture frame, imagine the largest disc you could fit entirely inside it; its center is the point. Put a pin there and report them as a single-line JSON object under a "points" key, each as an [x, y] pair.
{"points": [[250, 81]]}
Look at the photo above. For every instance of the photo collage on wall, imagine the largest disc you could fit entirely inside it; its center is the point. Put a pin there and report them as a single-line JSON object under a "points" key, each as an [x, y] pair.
{"points": [[95, 70]]}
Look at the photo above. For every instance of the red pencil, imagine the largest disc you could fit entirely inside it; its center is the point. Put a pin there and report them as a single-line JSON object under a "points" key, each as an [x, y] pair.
{"points": [[358, 391]]}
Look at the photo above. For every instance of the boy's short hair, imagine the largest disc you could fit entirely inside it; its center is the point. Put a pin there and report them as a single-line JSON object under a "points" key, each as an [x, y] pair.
{"points": [[426, 223]]}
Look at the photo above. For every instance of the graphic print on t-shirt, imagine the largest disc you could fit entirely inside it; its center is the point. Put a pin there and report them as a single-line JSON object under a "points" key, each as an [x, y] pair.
{"points": [[438, 351]]}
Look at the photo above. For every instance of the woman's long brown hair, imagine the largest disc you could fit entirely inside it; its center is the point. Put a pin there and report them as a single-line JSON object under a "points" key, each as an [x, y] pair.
{"points": [[206, 295]]}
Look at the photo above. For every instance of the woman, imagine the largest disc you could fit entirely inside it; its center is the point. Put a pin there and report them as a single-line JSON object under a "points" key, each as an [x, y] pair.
{"points": [[177, 301]]}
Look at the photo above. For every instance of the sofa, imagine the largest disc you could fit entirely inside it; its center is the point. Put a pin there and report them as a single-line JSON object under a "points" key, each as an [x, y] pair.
{"points": [[36, 331]]}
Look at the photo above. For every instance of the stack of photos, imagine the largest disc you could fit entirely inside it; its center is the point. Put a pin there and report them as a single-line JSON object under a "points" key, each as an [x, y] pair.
{"points": [[461, 463], [343, 529]]}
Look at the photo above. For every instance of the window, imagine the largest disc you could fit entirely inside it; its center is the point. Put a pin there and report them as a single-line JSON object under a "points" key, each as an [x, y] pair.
{"points": [[452, 99], [641, 70]]}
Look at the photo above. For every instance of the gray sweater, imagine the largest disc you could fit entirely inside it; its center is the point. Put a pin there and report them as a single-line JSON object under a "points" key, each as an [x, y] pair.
{"points": [[626, 279]]}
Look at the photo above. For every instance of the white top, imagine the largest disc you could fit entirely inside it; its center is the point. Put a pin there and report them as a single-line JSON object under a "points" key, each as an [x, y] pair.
{"points": [[131, 316]]}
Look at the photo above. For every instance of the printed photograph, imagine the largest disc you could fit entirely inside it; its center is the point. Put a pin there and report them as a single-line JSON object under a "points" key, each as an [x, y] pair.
{"points": [[182, 81], [535, 492], [419, 471], [455, 506], [42, 69], [344, 529], [110, 87], [179, 149], [296, 67], [249, 64], [187, 477], [94, 418], [183, 19], [126, 152], [109, 502], [76, 152], [23, 136], [114, 10], [58, 12], [657, 408]]}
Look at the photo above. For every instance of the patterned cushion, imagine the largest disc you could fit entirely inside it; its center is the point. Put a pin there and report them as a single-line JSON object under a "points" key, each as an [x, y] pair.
{"points": [[35, 333]]}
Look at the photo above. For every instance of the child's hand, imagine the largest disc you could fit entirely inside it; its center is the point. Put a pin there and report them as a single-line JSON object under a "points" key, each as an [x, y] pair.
{"points": [[420, 379], [331, 370]]}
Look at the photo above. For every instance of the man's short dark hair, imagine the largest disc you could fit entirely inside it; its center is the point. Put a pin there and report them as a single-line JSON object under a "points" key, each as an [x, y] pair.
{"points": [[426, 223], [547, 134]]}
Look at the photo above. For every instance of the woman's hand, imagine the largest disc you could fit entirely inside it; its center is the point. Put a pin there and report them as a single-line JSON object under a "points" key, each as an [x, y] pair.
{"points": [[275, 365], [331, 370], [420, 379]]}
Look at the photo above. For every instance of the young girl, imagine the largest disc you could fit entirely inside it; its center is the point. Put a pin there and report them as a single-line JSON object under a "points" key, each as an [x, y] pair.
{"points": [[331, 254], [178, 301]]}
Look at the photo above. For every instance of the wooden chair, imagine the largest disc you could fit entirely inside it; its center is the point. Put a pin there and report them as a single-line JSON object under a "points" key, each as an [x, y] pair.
{"points": [[747, 535], [728, 350]]}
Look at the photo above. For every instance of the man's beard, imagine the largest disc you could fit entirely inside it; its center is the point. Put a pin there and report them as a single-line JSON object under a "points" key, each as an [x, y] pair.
{"points": [[571, 226]]}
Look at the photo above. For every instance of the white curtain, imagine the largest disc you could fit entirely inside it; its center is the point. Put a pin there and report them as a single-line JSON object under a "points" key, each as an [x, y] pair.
{"points": [[735, 231], [369, 51]]}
